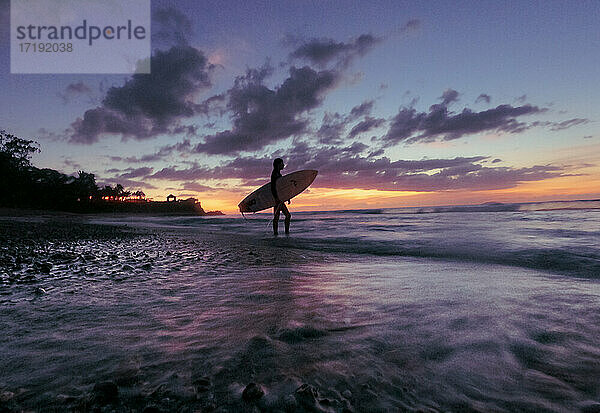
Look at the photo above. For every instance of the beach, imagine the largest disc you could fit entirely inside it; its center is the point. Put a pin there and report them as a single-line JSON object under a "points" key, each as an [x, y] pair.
{"points": [[484, 310]]}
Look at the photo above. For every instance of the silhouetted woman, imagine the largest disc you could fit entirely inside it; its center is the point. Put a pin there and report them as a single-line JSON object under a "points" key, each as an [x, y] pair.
{"points": [[279, 206]]}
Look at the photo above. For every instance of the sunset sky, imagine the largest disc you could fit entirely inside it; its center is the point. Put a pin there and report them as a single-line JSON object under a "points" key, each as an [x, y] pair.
{"points": [[395, 103]]}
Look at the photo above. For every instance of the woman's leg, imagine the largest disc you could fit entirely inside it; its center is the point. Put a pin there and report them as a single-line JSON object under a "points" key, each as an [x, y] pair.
{"points": [[288, 217], [276, 211]]}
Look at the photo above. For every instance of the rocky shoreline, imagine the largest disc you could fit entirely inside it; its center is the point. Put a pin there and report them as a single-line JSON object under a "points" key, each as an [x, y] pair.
{"points": [[37, 251]]}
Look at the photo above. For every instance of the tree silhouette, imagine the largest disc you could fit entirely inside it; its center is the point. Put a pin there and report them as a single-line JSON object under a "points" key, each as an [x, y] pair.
{"points": [[16, 152]]}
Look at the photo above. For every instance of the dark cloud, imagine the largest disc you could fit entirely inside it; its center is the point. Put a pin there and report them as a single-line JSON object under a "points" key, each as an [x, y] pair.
{"points": [[71, 164], [483, 98], [148, 104], [163, 152], [129, 184], [449, 96], [496, 160], [521, 99], [558, 126], [439, 123], [78, 87], [472, 177], [323, 51], [262, 116], [366, 125], [170, 27], [195, 186], [332, 127], [190, 174], [189, 130], [334, 124], [411, 25], [347, 168], [136, 173], [376, 153], [364, 109], [214, 105], [588, 137], [562, 125], [45, 134], [74, 90]]}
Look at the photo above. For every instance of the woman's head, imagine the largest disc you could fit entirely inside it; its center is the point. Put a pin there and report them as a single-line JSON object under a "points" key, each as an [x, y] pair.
{"points": [[278, 163]]}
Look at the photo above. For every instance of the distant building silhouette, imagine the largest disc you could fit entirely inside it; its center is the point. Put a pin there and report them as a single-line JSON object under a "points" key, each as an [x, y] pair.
{"points": [[171, 198]]}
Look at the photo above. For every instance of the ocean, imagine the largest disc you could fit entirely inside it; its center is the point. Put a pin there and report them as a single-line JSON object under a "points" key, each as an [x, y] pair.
{"points": [[487, 308]]}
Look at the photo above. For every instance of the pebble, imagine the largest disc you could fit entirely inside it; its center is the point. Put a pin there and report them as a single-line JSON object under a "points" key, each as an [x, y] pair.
{"points": [[290, 403], [6, 395], [202, 384], [590, 407], [45, 267], [252, 392], [106, 392], [307, 394]]}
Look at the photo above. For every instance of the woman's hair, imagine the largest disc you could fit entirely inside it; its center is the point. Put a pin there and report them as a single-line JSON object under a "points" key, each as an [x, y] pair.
{"points": [[277, 161]]}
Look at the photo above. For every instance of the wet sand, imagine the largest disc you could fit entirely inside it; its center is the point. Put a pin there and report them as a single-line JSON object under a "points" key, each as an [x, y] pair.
{"points": [[134, 318]]}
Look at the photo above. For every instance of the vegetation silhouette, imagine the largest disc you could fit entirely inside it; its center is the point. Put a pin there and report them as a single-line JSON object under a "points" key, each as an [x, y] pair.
{"points": [[23, 185]]}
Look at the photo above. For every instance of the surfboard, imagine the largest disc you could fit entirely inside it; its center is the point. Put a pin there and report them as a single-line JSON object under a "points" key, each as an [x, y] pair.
{"points": [[288, 186]]}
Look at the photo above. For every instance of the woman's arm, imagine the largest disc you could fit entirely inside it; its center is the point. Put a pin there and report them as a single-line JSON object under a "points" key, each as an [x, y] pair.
{"points": [[274, 188]]}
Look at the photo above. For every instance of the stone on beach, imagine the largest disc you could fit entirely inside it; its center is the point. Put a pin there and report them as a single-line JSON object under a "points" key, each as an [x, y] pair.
{"points": [[6, 395], [307, 396], [106, 392], [45, 267], [252, 392], [202, 384], [151, 409]]}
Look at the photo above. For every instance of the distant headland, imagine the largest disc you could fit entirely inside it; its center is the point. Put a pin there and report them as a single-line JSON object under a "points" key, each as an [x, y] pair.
{"points": [[23, 186], [138, 204]]}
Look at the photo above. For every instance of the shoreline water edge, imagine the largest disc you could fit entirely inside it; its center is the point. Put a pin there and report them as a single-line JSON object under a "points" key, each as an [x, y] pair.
{"points": [[376, 311]]}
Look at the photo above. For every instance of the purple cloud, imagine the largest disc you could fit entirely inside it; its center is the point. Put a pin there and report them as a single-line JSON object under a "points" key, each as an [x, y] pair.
{"points": [[558, 126], [411, 126], [74, 90], [136, 173], [148, 104], [449, 96], [262, 116], [323, 51], [194, 186], [364, 109], [171, 27], [366, 125], [483, 98], [347, 168]]}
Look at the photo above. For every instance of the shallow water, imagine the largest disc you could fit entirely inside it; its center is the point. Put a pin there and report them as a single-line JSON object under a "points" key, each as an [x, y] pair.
{"points": [[186, 317]]}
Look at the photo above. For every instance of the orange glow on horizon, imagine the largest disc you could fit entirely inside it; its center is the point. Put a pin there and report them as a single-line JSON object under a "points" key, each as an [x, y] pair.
{"points": [[319, 199]]}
